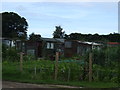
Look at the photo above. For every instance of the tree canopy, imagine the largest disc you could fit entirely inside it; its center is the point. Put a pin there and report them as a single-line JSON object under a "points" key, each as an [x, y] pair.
{"points": [[14, 26], [34, 37], [58, 33], [115, 37]]}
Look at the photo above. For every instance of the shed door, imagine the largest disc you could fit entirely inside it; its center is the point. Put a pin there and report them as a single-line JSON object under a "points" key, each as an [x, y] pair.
{"points": [[40, 50], [78, 50]]}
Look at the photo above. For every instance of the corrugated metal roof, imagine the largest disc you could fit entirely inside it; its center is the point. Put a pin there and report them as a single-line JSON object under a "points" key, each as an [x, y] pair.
{"points": [[89, 43], [60, 40], [49, 39], [53, 39]]}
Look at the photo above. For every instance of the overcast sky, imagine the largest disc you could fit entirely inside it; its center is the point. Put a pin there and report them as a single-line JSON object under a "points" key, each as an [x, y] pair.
{"points": [[80, 17]]}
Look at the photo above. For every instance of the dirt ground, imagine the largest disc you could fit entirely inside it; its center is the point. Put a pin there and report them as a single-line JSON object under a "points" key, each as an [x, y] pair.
{"points": [[9, 84]]}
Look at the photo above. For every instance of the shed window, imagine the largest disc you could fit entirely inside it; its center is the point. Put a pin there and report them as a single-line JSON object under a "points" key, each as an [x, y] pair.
{"points": [[78, 50], [31, 52], [68, 44], [50, 45]]}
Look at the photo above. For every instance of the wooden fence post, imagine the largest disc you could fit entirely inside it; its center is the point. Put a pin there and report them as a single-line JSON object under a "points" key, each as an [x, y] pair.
{"points": [[90, 67], [35, 70], [21, 61], [69, 72], [56, 64]]}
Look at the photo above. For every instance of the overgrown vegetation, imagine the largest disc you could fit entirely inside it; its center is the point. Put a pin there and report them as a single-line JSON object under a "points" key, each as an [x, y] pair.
{"points": [[105, 68], [9, 53], [45, 73]]}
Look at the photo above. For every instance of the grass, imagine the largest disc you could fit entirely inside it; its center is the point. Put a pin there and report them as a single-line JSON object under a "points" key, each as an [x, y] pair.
{"points": [[11, 72], [84, 84]]}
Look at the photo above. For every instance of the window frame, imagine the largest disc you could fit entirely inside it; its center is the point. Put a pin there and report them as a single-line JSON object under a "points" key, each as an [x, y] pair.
{"points": [[50, 45], [68, 44]]}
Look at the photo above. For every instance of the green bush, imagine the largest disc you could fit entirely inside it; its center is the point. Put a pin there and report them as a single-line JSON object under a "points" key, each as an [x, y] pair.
{"points": [[10, 54], [28, 57]]}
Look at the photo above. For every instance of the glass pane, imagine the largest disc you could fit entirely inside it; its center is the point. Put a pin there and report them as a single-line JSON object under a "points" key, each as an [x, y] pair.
{"points": [[31, 52], [48, 45], [52, 45], [68, 44]]}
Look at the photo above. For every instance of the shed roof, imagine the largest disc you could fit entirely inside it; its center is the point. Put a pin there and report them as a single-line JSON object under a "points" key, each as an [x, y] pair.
{"points": [[60, 40], [53, 39], [89, 43], [49, 39], [114, 43]]}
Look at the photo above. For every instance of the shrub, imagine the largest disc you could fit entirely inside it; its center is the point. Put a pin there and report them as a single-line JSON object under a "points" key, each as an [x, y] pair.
{"points": [[10, 54]]}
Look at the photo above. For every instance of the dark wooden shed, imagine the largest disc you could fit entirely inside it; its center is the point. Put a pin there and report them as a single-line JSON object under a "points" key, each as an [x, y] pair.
{"points": [[75, 47], [44, 48], [34, 48], [70, 48]]}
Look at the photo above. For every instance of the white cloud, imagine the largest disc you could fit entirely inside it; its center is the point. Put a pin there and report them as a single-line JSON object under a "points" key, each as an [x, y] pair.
{"points": [[21, 8]]}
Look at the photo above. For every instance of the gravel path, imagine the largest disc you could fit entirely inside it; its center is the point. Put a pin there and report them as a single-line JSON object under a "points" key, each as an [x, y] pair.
{"points": [[9, 84]]}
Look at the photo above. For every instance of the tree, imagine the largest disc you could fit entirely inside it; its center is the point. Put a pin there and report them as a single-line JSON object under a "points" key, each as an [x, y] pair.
{"points": [[94, 37], [58, 33], [14, 26], [34, 37], [66, 37]]}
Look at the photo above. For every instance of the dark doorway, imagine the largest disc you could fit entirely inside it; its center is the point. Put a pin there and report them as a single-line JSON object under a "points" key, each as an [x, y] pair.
{"points": [[39, 49]]}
